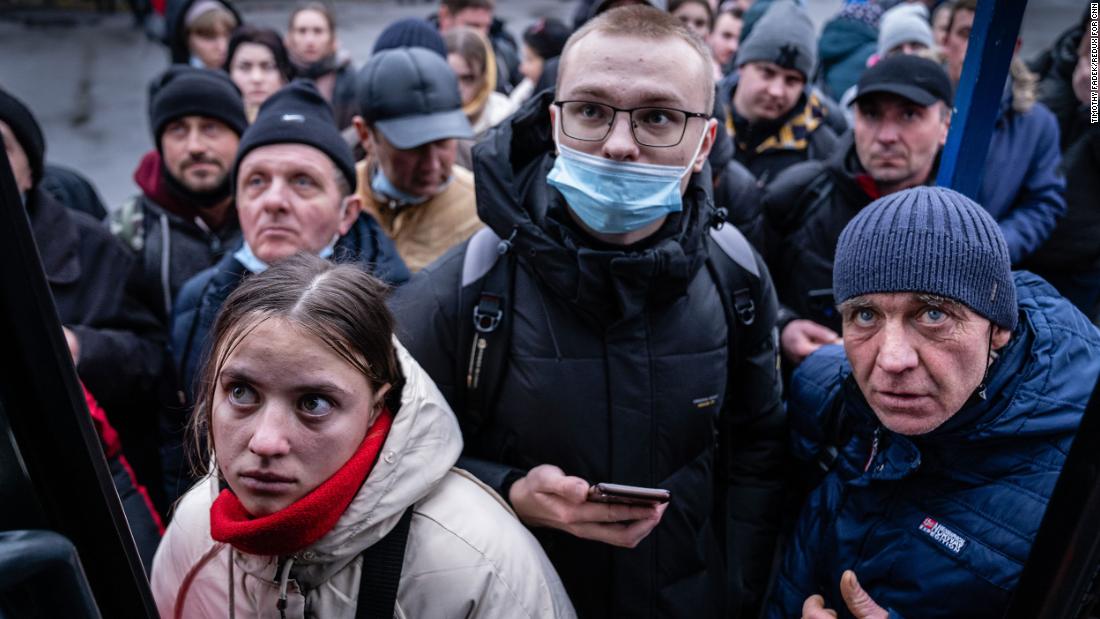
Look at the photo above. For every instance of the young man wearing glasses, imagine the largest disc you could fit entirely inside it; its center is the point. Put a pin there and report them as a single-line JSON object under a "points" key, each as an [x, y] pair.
{"points": [[603, 350]]}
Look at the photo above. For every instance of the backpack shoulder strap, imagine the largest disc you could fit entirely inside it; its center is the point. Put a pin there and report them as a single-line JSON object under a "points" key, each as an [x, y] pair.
{"points": [[127, 223], [484, 325], [739, 276], [381, 573], [731, 263]]}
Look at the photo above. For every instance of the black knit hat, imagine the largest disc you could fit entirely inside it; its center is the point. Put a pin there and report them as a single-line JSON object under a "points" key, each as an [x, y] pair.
{"points": [[546, 37], [298, 114], [410, 32], [931, 240], [18, 117], [187, 91]]}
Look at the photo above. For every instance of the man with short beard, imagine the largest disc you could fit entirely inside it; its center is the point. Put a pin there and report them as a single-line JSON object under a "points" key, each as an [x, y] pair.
{"points": [[184, 219], [902, 114]]}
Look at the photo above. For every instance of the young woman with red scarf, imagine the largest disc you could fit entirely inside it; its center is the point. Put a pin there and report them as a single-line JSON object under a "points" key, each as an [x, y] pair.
{"points": [[329, 443]]}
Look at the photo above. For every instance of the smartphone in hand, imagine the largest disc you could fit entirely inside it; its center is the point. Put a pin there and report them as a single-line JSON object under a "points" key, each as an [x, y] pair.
{"points": [[627, 495]]}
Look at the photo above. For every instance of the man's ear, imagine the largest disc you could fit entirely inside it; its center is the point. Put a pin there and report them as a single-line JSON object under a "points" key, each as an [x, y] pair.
{"points": [[444, 18], [352, 205], [1001, 336], [708, 142], [946, 111], [553, 123], [363, 131]]}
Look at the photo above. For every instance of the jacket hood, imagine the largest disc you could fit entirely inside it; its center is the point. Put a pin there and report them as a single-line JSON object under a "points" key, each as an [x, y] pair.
{"points": [[173, 31], [1038, 386], [604, 282], [421, 447]]}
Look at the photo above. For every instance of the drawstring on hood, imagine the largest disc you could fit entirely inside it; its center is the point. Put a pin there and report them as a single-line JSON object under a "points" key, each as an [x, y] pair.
{"points": [[284, 578]]}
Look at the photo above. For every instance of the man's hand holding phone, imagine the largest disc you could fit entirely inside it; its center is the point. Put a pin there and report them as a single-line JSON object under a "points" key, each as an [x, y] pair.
{"points": [[547, 497]]}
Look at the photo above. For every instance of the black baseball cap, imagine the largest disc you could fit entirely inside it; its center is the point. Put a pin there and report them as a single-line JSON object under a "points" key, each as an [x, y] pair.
{"points": [[917, 79], [411, 95]]}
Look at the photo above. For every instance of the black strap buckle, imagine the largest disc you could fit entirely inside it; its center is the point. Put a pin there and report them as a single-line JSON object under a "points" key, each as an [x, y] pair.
{"points": [[487, 313], [744, 306]]}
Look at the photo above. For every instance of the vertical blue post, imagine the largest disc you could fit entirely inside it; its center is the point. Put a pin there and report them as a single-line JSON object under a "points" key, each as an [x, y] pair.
{"points": [[978, 95]]}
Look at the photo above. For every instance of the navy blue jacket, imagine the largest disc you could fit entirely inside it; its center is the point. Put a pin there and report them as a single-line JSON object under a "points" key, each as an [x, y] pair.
{"points": [[202, 296], [940, 525], [1023, 185]]}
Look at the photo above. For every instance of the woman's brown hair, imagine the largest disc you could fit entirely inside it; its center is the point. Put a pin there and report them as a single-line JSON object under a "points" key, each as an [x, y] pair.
{"points": [[341, 305]]}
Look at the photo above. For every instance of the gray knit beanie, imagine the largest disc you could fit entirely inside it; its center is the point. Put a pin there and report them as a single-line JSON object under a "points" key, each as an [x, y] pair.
{"points": [[931, 240], [784, 35], [905, 23]]}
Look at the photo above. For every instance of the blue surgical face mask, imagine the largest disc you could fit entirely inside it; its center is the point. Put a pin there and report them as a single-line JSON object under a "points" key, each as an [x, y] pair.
{"points": [[382, 185], [251, 262], [614, 197]]}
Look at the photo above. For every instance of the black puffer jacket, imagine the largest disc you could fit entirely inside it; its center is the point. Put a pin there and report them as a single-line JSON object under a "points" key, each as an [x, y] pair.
{"points": [[617, 371], [805, 209]]}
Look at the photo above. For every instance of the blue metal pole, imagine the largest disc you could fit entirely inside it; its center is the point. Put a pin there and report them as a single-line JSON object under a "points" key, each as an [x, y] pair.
{"points": [[978, 94]]}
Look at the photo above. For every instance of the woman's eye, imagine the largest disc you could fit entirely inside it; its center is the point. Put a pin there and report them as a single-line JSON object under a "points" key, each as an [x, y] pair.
{"points": [[241, 394], [316, 405]]}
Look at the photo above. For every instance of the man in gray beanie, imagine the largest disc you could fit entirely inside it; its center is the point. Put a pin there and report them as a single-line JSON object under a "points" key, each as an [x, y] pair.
{"points": [[775, 120], [942, 424]]}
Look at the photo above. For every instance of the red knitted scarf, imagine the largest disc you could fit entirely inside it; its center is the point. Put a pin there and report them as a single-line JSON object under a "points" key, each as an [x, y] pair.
{"points": [[309, 518]]}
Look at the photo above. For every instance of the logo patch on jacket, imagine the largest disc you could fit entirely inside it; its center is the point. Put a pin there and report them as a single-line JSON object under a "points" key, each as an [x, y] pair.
{"points": [[946, 537]]}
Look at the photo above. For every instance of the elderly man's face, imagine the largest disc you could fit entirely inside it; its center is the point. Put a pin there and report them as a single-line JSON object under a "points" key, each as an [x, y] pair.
{"points": [[917, 358], [897, 140], [289, 200]]}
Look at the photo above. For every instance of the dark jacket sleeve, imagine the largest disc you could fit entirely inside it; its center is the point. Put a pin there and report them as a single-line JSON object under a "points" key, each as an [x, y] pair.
{"points": [[1040, 202], [122, 351], [756, 434], [427, 316]]}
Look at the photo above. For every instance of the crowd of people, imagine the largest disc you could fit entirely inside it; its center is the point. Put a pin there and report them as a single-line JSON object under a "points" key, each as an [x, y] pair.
{"points": [[371, 339]]}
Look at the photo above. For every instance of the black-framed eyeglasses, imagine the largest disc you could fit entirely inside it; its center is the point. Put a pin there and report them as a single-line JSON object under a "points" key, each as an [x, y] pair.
{"points": [[658, 127]]}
